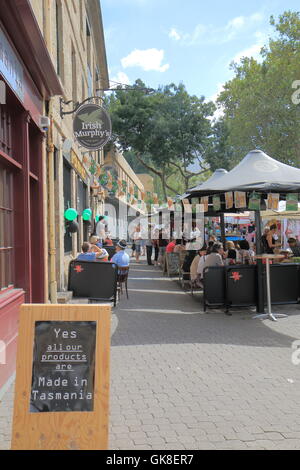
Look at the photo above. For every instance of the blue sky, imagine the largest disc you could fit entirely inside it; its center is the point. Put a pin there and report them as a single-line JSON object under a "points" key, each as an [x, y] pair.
{"points": [[191, 41]]}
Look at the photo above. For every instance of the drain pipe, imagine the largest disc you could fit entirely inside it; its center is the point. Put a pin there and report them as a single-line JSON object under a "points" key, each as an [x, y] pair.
{"points": [[51, 211]]}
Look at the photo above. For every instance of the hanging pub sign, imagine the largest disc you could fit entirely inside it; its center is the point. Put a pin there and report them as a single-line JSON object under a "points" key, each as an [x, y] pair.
{"points": [[92, 126]]}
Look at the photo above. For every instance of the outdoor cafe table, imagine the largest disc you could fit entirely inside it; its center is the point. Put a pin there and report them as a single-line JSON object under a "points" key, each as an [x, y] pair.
{"points": [[270, 315]]}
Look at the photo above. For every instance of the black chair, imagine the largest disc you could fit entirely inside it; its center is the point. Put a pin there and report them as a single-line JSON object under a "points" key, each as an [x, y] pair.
{"points": [[96, 280], [123, 278], [214, 287], [241, 286], [285, 283]]}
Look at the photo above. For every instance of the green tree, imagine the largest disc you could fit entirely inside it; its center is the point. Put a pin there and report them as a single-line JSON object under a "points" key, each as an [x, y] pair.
{"points": [[257, 102], [168, 130]]}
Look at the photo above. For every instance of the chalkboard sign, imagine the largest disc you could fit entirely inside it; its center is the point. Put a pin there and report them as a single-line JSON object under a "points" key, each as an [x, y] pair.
{"points": [[172, 261], [62, 377], [63, 366]]}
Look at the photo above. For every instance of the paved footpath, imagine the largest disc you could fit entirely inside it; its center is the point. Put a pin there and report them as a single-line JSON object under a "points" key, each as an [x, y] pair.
{"points": [[184, 379]]}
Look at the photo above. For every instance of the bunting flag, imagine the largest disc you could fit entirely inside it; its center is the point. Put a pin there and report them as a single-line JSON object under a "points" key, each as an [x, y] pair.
{"points": [[92, 168], [128, 197], [136, 191], [131, 190], [119, 183], [273, 201], [155, 198], [240, 199], [254, 201], [229, 200], [292, 202], [143, 195], [204, 201], [216, 203], [170, 203], [86, 160], [98, 171], [186, 206]]}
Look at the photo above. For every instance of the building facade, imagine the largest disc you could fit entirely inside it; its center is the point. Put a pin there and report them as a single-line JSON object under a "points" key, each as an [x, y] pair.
{"points": [[73, 33], [28, 79]]}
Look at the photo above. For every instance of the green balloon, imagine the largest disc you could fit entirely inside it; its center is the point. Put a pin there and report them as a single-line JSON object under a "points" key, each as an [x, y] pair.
{"points": [[71, 214], [86, 214]]}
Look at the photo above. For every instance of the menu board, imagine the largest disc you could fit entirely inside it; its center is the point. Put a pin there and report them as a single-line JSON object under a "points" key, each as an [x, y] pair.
{"points": [[63, 367]]}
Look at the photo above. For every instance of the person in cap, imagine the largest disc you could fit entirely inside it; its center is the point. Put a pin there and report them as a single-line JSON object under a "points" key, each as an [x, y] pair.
{"points": [[121, 258]]}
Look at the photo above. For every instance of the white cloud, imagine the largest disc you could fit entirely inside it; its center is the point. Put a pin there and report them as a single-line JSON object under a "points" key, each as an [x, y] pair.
{"points": [[254, 50], [148, 59], [173, 34], [211, 34]]}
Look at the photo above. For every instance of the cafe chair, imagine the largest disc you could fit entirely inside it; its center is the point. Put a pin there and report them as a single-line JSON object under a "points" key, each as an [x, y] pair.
{"points": [[122, 279]]}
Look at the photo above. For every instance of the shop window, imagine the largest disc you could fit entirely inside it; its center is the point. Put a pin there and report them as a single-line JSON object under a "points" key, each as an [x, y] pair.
{"points": [[6, 229], [5, 131]]}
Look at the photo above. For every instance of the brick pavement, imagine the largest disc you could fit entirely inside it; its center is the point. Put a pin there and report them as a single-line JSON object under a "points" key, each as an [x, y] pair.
{"points": [[183, 379]]}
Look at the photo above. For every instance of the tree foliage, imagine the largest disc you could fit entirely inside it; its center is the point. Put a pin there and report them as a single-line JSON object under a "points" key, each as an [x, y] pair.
{"points": [[257, 102], [168, 130]]}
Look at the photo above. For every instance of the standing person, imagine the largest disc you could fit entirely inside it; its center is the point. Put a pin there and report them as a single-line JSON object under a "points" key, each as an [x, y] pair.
{"points": [[162, 243], [149, 247], [155, 237], [271, 240], [137, 237], [100, 228]]}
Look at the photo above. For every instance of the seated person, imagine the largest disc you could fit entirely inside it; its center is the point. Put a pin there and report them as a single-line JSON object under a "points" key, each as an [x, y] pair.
{"points": [[294, 245], [244, 255], [88, 254], [195, 278], [103, 256], [95, 243], [179, 246], [215, 257], [230, 253], [108, 241], [170, 247], [121, 258]]}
